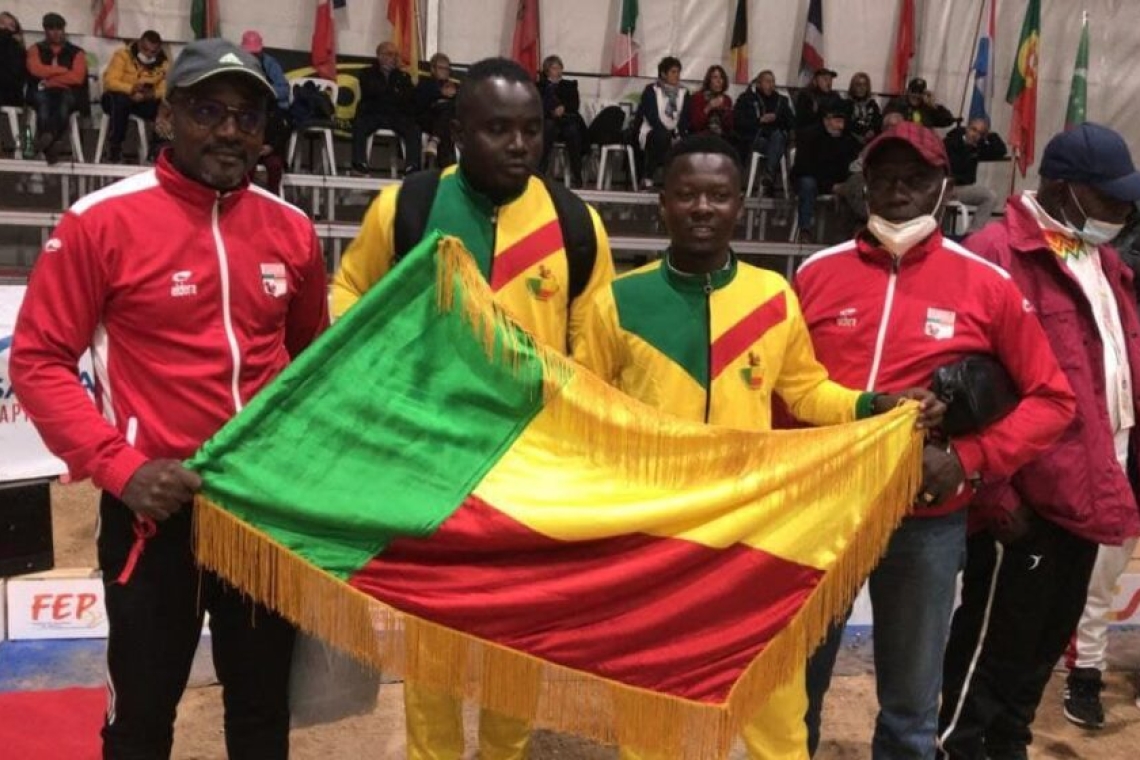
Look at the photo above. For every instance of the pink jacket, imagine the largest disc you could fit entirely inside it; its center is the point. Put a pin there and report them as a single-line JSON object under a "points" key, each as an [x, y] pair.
{"points": [[1077, 483]]}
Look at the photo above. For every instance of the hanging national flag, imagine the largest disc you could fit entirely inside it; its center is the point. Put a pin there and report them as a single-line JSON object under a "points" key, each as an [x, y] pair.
{"points": [[204, 19], [1077, 112], [406, 33], [1022, 94], [904, 48], [811, 58], [106, 18], [739, 47], [625, 46], [323, 50], [524, 45], [983, 95], [428, 469]]}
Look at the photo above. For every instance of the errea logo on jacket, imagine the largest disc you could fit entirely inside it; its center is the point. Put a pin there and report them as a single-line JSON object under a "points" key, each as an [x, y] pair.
{"points": [[180, 285]]}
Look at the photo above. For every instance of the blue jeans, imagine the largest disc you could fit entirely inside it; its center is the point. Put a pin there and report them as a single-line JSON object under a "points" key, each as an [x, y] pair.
{"points": [[53, 109], [773, 145], [912, 598], [807, 190]]}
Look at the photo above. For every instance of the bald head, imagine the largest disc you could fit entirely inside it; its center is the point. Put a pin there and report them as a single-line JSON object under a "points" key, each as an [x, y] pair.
{"points": [[388, 55]]}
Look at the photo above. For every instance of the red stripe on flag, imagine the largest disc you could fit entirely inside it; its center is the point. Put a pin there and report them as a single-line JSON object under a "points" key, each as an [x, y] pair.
{"points": [[596, 606], [737, 339], [525, 253]]}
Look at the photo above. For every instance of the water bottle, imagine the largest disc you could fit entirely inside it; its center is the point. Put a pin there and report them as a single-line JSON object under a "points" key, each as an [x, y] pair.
{"points": [[28, 144]]}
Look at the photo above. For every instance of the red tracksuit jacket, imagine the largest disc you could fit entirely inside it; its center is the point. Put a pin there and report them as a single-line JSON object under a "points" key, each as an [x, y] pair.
{"points": [[880, 323], [190, 301]]}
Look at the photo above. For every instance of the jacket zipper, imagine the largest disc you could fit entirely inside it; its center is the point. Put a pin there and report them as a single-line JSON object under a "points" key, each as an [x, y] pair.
{"points": [[708, 345], [227, 315], [494, 242], [881, 340]]}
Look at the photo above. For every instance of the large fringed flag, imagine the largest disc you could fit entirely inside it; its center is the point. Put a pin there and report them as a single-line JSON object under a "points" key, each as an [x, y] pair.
{"points": [[1022, 93], [904, 47], [624, 63], [204, 19], [983, 95], [738, 47], [811, 55], [433, 492], [524, 43], [1077, 112], [105, 17], [405, 33]]}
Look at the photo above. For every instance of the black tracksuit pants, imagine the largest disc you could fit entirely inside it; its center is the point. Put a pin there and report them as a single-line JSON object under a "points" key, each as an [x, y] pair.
{"points": [[1020, 604], [155, 622]]}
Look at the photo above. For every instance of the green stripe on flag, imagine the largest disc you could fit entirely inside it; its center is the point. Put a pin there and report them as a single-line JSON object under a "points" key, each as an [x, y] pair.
{"points": [[1023, 62], [1078, 90], [351, 403]]}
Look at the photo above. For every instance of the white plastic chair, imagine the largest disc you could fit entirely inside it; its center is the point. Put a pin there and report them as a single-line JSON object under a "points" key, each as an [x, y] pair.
{"points": [[13, 114], [328, 155], [105, 124], [400, 149], [754, 174], [75, 135], [605, 169]]}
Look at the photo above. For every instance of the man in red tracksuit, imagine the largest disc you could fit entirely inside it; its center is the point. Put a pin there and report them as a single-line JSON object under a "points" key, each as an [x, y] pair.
{"points": [[193, 290], [1030, 560], [885, 310]]}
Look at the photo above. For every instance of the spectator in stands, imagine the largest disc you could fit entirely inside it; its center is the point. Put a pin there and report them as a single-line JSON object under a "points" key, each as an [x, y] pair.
{"points": [[435, 108], [712, 105], [1036, 534], [563, 122], [665, 113], [134, 83], [864, 117], [279, 126], [494, 202], [386, 102], [635, 335], [967, 146], [824, 154], [763, 120], [108, 282], [885, 310], [58, 71], [918, 105], [13, 63], [811, 98]]}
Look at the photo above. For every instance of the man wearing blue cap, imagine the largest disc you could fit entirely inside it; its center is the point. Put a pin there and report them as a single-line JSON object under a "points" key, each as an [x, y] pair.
{"points": [[1036, 535]]}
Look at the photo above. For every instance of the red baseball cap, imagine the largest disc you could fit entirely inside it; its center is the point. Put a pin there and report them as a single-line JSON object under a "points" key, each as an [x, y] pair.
{"points": [[924, 140]]}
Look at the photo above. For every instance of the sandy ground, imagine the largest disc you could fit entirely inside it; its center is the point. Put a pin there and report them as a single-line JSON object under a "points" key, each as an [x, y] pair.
{"points": [[848, 719]]}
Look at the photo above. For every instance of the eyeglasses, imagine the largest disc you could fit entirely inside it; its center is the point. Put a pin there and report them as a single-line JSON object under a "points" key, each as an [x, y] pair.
{"points": [[210, 114]]}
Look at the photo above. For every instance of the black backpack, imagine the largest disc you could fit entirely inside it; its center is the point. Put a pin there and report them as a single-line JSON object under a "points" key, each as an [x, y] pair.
{"points": [[311, 106], [606, 128], [417, 193]]}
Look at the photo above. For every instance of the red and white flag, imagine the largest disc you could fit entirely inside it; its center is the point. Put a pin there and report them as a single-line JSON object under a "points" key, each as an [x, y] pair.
{"points": [[106, 18], [811, 59]]}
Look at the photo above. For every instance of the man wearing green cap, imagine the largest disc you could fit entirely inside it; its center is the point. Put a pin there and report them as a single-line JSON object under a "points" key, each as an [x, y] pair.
{"points": [[193, 289]]}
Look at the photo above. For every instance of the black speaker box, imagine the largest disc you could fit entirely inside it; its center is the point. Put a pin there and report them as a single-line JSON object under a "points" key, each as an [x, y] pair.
{"points": [[25, 528]]}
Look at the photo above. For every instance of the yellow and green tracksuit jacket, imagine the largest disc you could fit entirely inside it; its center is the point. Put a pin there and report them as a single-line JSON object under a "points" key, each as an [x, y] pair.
{"points": [[518, 247], [712, 348]]}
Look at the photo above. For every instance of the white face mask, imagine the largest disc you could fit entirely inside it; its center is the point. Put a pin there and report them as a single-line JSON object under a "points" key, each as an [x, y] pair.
{"points": [[900, 237], [147, 60], [1094, 231]]}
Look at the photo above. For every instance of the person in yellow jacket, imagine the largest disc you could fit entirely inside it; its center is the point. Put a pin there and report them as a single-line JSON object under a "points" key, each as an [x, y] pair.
{"points": [[134, 83], [543, 252], [709, 338]]}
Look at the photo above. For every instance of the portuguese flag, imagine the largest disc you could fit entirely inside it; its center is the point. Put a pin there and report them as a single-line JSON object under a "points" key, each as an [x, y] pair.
{"points": [[433, 492], [1022, 93]]}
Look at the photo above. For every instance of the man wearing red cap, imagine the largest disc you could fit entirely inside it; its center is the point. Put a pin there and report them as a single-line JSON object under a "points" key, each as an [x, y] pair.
{"points": [[886, 310], [1037, 534]]}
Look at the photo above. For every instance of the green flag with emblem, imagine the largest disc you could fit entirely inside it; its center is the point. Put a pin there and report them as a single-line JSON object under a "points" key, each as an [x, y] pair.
{"points": [[1077, 112]]}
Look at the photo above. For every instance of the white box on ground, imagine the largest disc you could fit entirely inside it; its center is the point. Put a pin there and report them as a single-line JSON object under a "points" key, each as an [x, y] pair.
{"points": [[57, 604]]}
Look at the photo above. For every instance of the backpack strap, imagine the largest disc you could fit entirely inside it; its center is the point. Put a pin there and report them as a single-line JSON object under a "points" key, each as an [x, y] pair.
{"points": [[413, 206], [578, 236]]}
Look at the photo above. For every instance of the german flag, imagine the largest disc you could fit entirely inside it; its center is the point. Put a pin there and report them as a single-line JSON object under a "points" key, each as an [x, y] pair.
{"points": [[738, 54], [436, 493]]}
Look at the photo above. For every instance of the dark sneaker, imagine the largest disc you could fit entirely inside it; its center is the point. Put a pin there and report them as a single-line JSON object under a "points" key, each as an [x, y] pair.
{"points": [[1082, 698]]}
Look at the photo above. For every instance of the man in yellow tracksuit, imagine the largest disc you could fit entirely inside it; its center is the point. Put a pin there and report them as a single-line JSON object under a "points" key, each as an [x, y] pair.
{"points": [[134, 83], [543, 252], [708, 338]]}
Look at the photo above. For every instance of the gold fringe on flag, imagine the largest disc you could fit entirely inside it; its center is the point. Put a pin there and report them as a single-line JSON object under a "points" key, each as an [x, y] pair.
{"points": [[642, 447]]}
